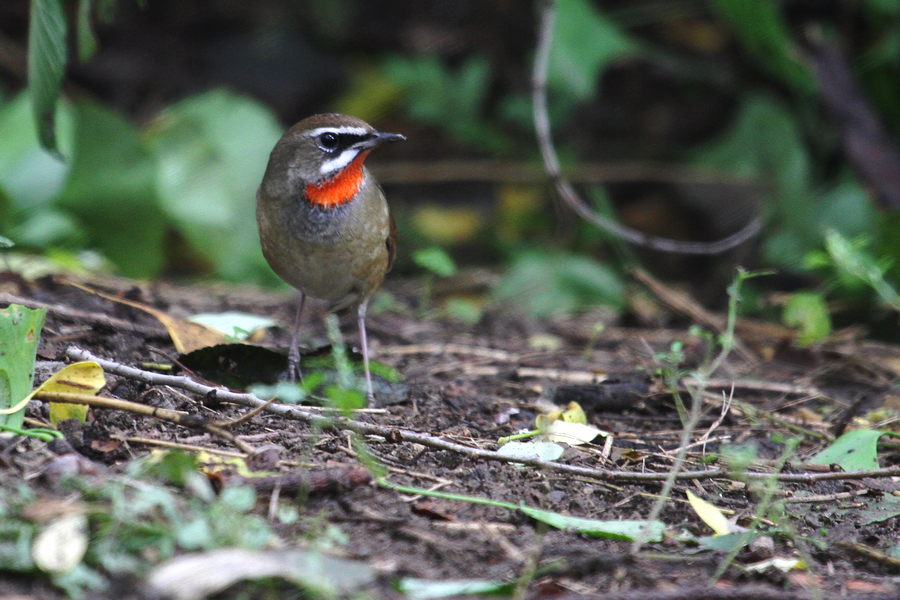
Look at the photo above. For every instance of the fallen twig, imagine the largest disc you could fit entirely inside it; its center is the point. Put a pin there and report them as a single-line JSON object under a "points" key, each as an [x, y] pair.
{"points": [[173, 416], [180, 446], [396, 434], [870, 552]]}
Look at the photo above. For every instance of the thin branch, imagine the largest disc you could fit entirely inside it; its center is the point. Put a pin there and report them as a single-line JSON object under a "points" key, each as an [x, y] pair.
{"points": [[395, 434], [173, 416], [180, 446], [565, 188]]}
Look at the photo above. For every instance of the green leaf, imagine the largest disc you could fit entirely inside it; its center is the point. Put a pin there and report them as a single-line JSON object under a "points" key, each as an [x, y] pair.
{"points": [[106, 9], [465, 310], [195, 534], [585, 42], [345, 399], [888, 7], [855, 263], [614, 530], [237, 325], [46, 228], [87, 41], [846, 207], [240, 498], [545, 284], [854, 451], [424, 589], [210, 155], [539, 449], [30, 176], [808, 312], [451, 99], [175, 466], [436, 260], [764, 32], [725, 543], [111, 190], [46, 65], [20, 331], [766, 143]]}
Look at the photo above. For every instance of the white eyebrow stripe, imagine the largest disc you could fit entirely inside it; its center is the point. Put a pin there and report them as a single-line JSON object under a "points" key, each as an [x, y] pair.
{"points": [[338, 130], [339, 162]]}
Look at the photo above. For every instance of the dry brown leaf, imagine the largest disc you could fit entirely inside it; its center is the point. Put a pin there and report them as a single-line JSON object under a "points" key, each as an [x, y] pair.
{"points": [[186, 336]]}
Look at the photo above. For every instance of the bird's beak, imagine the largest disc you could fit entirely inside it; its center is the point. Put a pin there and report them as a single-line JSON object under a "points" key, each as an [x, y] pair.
{"points": [[378, 139]]}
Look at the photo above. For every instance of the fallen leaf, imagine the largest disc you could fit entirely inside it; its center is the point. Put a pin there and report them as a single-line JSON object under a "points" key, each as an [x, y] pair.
{"points": [[85, 378], [186, 336], [574, 414], [61, 545], [710, 515], [573, 434], [195, 576]]}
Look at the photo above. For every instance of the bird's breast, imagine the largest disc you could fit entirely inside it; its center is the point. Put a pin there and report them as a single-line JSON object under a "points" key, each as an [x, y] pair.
{"points": [[338, 254]]}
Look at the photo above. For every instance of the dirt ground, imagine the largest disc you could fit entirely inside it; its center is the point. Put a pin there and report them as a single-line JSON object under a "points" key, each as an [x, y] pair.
{"points": [[472, 384]]}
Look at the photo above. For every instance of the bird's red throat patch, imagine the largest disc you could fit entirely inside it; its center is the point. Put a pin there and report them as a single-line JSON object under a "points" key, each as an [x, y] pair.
{"points": [[341, 188]]}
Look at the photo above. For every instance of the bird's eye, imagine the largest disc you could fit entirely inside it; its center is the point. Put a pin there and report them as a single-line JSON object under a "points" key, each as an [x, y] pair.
{"points": [[328, 141]]}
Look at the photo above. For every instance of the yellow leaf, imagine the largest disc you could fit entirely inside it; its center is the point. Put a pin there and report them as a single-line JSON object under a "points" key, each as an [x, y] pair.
{"points": [[711, 515], [80, 378], [545, 341], [574, 414], [542, 422], [448, 225], [214, 463]]}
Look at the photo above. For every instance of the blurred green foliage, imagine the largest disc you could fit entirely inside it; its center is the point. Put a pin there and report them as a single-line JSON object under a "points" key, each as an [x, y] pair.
{"points": [[449, 99], [553, 284], [47, 33], [137, 519], [763, 31], [436, 261], [190, 174], [46, 65], [808, 313], [767, 143], [585, 43], [210, 153]]}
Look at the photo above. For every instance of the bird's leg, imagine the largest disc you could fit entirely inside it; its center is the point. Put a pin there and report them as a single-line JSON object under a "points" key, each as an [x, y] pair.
{"points": [[294, 353], [364, 342]]}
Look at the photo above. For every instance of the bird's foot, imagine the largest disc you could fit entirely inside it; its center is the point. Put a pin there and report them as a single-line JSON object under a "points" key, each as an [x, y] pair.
{"points": [[294, 374]]}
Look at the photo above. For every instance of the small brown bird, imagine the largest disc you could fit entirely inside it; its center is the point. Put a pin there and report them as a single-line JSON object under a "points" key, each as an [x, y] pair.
{"points": [[324, 224]]}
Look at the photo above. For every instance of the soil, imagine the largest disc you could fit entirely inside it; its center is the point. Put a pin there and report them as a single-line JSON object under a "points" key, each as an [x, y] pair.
{"points": [[473, 384]]}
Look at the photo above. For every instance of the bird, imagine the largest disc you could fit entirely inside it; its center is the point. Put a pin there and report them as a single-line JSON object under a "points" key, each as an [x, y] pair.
{"points": [[324, 223]]}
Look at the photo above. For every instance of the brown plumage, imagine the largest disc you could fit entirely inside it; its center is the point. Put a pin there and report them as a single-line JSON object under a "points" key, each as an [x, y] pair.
{"points": [[324, 223]]}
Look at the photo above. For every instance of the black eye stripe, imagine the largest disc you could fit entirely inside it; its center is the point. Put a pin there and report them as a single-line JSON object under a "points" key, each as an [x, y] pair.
{"points": [[344, 140]]}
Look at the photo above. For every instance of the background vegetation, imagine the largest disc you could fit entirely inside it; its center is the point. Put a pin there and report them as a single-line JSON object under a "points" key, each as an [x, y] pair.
{"points": [[713, 112]]}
